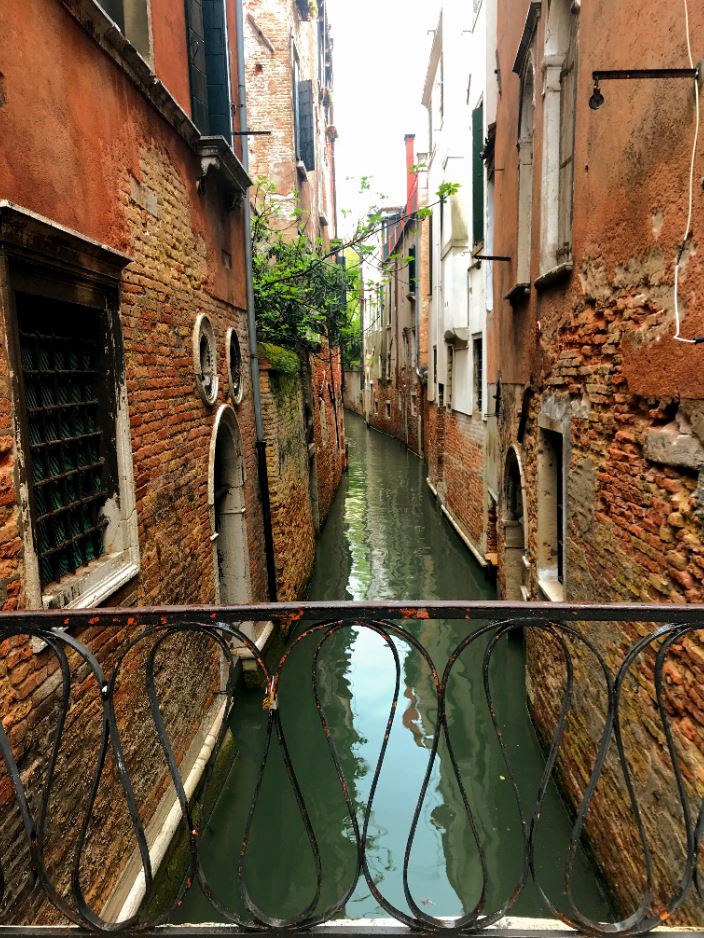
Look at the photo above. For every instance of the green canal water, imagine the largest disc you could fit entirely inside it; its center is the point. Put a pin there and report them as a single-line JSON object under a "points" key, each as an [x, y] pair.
{"points": [[385, 538]]}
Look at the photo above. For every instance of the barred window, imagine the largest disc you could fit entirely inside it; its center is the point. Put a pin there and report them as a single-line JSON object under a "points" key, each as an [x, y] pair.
{"points": [[71, 465]]}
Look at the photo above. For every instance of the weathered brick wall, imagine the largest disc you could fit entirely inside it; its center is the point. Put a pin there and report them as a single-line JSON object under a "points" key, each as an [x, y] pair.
{"points": [[328, 425], [401, 423], [31, 687], [596, 350], [288, 463], [271, 29], [105, 164]]}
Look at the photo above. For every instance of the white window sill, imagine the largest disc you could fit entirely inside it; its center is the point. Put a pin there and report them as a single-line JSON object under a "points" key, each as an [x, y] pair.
{"points": [[551, 588], [94, 584]]}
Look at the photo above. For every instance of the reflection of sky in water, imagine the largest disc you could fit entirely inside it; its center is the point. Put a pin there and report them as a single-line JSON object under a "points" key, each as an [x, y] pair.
{"points": [[385, 538]]}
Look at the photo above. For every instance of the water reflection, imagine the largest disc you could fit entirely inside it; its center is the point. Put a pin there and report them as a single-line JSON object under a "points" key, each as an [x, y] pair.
{"points": [[386, 539]]}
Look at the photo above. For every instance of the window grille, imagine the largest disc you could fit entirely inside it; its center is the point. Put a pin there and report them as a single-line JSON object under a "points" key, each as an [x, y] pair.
{"points": [[63, 370]]}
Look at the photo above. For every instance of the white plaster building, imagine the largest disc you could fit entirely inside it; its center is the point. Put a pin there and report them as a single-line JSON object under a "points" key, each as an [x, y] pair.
{"points": [[460, 111]]}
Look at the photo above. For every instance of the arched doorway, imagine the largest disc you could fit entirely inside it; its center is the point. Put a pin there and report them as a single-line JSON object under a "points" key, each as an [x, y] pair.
{"points": [[227, 511], [515, 571]]}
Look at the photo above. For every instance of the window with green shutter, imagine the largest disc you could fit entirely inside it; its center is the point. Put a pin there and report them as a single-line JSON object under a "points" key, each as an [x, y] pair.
{"points": [[477, 175], [305, 128], [208, 59]]}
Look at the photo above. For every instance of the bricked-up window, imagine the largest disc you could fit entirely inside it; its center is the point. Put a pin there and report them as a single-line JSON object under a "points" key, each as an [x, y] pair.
{"points": [[211, 99], [68, 414], [132, 16]]}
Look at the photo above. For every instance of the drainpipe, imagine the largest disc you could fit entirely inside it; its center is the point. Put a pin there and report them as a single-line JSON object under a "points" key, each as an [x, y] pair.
{"points": [[251, 322]]}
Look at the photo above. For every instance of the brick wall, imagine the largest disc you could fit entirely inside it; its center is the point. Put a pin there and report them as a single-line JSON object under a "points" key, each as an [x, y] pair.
{"points": [[290, 481], [328, 425], [592, 356], [102, 161]]}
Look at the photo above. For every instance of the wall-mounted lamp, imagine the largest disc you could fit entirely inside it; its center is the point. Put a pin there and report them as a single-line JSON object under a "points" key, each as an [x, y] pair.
{"points": [[597, 99]]}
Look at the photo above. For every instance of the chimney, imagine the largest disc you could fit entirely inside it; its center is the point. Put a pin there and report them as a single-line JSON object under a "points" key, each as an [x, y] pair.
{"points": [[411, 178]]}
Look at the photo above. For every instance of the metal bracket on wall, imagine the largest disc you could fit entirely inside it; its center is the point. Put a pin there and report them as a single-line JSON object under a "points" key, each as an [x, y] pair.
{"points": [[625, 74]]}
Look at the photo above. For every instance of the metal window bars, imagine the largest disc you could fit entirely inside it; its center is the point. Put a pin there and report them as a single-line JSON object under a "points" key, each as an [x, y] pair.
{"points": [[61, 377]]}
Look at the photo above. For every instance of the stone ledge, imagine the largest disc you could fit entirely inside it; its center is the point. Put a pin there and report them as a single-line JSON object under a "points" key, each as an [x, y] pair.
{"points": [[553, 276], [518, 293]]}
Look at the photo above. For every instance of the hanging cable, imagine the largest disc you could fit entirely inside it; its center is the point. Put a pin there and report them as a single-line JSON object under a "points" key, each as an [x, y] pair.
{"points": [[687, 231]]}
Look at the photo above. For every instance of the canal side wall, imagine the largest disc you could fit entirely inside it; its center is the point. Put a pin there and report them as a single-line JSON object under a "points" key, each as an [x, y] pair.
{"points": [[353, 397], [601, 416], [304, 419], [105, 213], [328, 426], [455, 451]]}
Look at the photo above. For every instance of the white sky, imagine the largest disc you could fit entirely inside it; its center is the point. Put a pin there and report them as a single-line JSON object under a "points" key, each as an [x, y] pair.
{"points": [[380, 57]]}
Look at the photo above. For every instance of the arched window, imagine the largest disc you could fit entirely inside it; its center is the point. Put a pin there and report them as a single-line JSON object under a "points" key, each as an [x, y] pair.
{"points": [[560, 84]]}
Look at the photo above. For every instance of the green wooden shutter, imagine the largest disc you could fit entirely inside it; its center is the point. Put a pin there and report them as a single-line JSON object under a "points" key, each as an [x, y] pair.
{"points": [[477, 174], [306, 123], [216, 52], [195, 34], [114, 10]]}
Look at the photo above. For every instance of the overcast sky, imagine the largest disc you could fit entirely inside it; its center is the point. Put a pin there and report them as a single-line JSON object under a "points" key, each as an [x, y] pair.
{"points": [[380, 58]]}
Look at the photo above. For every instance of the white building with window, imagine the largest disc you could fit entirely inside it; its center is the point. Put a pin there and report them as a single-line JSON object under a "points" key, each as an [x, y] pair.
{"points": [[455, 96]]}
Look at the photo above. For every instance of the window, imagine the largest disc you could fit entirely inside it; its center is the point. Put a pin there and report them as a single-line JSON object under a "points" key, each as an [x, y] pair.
{"points": [[303, 118], [132, 16], [477, 175], [450, 353], [205, 359], [478, 373], [388, 409], [412, 270], [551, 514], [559, 133], [234, 366], [211, 100], [414, 404], [70, 408], [525, 175]]}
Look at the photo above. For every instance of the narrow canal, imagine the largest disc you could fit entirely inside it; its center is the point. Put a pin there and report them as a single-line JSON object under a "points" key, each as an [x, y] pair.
{"points": [[385, 538]]}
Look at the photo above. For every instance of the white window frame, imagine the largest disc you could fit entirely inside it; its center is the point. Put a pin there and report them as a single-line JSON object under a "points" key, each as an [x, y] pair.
{"points": [[560, 41], [549, 474]]}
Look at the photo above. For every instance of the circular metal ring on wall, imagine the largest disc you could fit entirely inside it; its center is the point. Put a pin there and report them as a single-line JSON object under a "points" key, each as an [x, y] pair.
{"points": [[205, 363], [233, 354]]}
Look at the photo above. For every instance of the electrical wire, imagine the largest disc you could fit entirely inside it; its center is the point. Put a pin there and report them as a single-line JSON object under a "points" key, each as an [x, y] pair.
{"points": [[687, 231]]}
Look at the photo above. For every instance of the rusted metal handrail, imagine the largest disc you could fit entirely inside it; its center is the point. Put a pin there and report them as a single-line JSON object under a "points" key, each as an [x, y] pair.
{"points": [[646, 641]]}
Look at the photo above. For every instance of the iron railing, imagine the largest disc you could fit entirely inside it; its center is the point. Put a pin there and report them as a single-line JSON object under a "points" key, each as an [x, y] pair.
{"points": [[633, 671]]}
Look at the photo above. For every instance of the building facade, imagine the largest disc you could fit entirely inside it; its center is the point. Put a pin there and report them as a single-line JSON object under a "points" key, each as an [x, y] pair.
{"points": [[595, 378], [395, 294], [128, 434], [288, 55], [458, 417]]}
